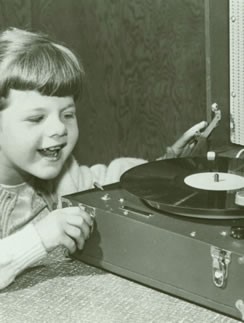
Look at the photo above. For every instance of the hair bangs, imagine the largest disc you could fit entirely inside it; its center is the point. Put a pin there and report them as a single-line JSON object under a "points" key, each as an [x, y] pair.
{"points": [[49, 68]]}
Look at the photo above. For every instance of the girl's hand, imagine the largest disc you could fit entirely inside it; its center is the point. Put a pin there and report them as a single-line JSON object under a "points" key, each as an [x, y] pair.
{"points": [[185, 141], [69, 227]]}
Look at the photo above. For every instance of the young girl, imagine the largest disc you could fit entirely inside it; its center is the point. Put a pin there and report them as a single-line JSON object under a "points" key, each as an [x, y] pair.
{"points": [[39, 83]]}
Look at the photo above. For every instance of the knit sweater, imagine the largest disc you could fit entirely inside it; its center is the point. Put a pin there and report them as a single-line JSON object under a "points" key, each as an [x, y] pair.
{"points": [[20, 244]]}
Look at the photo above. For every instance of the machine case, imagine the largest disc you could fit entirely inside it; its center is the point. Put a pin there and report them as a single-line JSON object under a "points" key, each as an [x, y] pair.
{"points": [[194, 259]]}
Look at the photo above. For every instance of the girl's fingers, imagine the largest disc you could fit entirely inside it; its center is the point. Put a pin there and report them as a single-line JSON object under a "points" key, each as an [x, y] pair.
{"points": [[77, 235], [190, 133], [79, 217], [188, 136], [89, 220], [69, 243]]}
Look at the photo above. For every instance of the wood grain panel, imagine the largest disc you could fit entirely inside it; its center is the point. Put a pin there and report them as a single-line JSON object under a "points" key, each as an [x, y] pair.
{"points": [[152, 77], [146, 74], [159, 49], [15, 13]]}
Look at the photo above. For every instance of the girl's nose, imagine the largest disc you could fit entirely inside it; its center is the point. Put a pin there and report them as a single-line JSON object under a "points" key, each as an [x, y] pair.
{"points": [[56, 127]]}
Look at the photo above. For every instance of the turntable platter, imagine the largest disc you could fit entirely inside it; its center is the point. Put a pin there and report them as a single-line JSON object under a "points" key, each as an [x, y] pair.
{"points": [[189, 187]]}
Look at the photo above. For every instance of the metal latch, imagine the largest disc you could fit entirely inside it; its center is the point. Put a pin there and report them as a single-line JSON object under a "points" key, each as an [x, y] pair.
{"points": [[220, 262]]}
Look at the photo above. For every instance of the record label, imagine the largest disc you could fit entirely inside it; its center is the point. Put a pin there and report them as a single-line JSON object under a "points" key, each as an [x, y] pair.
{"points": [[215, 181]]}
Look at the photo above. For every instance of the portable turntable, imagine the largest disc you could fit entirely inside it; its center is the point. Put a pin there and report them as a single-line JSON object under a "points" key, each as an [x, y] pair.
{"points": [[160, 228], [176, 225]]}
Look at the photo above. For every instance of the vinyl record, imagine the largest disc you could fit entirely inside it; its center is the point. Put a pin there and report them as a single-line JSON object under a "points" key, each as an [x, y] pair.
{"points": [[192, 187]]}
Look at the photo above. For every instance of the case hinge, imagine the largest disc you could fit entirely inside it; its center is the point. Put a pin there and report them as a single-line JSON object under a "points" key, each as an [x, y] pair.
{"points": [[220, 262]]}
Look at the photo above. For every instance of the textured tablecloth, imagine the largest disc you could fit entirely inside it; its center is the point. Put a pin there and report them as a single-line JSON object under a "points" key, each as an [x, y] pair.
{"points": [[62, 290]]}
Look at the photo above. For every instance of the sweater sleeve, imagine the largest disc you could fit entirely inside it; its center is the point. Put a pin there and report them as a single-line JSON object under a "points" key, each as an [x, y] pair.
{"points": [[114, 170], [75, 178], [19, 251]]}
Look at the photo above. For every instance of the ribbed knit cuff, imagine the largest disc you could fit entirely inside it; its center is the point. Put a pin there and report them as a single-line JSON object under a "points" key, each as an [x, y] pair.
{"points": [[25, 248]]}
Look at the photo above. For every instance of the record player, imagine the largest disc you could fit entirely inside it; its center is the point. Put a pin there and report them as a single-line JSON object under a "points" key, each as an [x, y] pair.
{"points": [[176, 225]]}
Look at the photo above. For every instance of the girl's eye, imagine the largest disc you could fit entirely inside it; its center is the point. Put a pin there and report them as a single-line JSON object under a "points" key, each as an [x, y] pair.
{"points": [[69, 115], [36, 119]]}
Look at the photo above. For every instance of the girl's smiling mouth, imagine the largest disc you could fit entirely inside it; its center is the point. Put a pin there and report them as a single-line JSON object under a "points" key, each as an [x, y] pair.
{"points": [[53, 152]]}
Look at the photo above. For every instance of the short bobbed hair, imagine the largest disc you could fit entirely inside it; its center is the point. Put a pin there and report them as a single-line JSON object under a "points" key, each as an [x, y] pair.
{"points": [[32, 61]]}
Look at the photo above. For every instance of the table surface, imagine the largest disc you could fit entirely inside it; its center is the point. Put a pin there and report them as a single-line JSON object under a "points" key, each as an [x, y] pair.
{"points": [[59, 289]]}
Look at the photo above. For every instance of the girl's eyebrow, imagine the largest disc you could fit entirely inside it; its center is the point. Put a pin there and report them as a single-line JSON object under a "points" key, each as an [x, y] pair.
{"points": [[71, 105], [39, 108]]}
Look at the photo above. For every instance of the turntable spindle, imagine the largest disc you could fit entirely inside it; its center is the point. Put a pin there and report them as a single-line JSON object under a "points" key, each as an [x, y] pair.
{"points": [[216, 177]]}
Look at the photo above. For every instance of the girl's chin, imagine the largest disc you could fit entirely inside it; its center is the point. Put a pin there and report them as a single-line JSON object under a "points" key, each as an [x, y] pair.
{"points": [[48, 174]]}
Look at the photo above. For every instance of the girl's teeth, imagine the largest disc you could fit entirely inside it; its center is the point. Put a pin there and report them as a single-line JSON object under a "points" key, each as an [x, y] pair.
{"points": [[50, 152], [51, 149]]}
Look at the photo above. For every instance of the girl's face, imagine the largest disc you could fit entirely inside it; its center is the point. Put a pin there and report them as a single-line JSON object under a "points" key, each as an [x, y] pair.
{"points": [[37, 134]]}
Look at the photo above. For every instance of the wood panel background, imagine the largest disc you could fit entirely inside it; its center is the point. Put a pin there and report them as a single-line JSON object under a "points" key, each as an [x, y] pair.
{"points": [[144, 63]]}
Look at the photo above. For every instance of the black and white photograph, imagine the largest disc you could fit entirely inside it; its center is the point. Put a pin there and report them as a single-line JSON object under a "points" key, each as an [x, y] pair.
{"points": [[121, 161]]}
